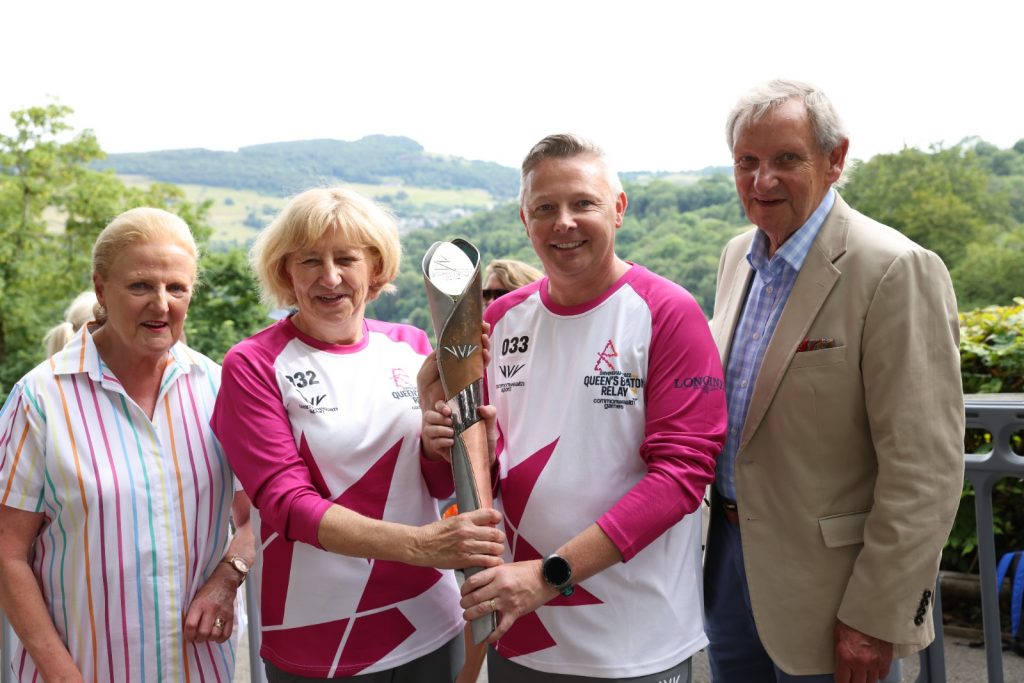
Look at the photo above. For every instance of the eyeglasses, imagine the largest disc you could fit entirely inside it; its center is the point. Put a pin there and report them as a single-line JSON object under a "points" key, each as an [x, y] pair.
{"points": [[491, 294]]}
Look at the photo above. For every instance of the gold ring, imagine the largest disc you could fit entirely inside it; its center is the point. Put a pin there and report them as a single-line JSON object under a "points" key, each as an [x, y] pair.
{"points": [[218, 623], [492, 605]]}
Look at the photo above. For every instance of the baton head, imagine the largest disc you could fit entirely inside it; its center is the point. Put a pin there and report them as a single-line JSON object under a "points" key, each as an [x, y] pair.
{"points": [[449, 268]]}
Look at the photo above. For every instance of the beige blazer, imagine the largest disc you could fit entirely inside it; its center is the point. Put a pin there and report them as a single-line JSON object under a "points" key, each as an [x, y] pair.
{"points": [[850, 463]]}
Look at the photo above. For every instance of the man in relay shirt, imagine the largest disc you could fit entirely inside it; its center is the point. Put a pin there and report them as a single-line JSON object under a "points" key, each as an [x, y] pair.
{"points": [[610, 409]]}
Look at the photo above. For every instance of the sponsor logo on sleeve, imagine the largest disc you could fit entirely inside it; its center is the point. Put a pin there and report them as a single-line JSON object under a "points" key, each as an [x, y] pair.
{"points": [[705, 384]]}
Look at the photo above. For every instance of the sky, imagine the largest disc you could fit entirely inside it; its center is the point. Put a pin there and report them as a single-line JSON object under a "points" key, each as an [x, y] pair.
{"points": [[650, 81]]}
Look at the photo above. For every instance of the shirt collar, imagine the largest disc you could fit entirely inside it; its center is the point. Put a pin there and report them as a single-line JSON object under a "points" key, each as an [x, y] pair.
{"points": [[80, 355], [794, 250]]}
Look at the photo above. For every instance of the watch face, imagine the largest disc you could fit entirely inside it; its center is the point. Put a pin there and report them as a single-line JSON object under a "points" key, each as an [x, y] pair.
{"points": [[556, 571], [241, 565]]}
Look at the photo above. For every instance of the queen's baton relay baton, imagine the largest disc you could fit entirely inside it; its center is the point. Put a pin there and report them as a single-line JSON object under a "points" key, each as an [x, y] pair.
{"points": [[451, 275]]}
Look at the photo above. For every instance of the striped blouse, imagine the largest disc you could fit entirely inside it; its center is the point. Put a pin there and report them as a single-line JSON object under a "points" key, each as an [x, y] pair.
{"points": [[135, 511]]}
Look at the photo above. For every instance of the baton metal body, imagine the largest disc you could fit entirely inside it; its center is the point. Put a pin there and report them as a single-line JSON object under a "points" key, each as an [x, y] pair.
{"points": [[456, 309]]}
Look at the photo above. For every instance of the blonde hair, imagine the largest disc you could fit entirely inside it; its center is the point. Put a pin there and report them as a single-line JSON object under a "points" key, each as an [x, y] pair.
{"points": [[512, 274], [78, 313], [305, 220], [139, 225]]}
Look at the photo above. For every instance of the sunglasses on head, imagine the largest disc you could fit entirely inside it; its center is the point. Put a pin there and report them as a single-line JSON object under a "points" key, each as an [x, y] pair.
{"points": [[494, 293]]}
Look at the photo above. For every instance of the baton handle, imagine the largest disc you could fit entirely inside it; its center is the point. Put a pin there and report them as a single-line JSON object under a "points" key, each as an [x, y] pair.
{"points": [[467, 496]]}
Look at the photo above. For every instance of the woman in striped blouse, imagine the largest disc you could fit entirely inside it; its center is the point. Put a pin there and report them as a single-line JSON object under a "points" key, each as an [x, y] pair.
{"points": [[115, 561]]}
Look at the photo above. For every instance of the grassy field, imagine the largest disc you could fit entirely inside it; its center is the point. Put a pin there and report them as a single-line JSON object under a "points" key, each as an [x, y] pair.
{"points": [[237, 215]]}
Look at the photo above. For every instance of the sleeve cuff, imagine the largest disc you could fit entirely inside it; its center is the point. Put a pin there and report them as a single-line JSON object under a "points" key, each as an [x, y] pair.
{"points": [[307, 516]]}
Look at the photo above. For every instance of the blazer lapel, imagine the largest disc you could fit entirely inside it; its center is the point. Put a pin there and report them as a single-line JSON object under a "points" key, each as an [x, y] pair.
{"points": [[817, 277], [723, 325]]}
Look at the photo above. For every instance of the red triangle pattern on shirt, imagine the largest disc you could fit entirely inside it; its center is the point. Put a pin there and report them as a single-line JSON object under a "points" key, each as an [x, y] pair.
{"points": [[309, 460], [525, 636], [518, 483], [528, 634], [393, 582], [276, 568], [325, 637], [369, 495], [372, 638], [373, 635]]}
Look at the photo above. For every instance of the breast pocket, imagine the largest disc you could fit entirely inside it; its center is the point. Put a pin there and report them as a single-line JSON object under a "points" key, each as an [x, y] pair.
{"points": [[813, 359]]}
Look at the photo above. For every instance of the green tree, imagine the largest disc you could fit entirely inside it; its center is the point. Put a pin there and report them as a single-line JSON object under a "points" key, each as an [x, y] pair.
{"points": [[942, 199], [225, 305], [52, 206], [42, 167], [991, 271], [677, 231]]}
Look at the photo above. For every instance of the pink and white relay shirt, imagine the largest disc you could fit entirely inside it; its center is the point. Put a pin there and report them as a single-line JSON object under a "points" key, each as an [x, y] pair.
{"points": [[307, 424], [610, 412]]}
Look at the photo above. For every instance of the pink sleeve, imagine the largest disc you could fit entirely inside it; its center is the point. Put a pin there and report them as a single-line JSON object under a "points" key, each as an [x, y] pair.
{"points": [[413, 336], [251, 423], [438, 476], [685, 422]]}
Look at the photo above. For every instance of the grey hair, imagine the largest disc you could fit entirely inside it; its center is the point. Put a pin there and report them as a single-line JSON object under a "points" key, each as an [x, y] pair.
{"points": [[565, 146], [829, 131]]}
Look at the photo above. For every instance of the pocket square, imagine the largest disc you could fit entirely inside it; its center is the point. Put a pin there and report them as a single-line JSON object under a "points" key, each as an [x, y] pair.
{"points": [[815, 345]]}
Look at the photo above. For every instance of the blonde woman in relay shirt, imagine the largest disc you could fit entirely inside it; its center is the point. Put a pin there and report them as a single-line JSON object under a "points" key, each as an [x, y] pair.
{"points": [[319, 416]]}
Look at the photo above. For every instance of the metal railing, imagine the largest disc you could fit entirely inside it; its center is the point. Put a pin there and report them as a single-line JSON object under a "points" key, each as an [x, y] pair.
{"points": [[1001, 415]]}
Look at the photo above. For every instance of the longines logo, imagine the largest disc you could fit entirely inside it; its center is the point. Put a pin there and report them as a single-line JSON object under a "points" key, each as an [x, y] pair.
{"points": [[706, 384], [510, 371]]}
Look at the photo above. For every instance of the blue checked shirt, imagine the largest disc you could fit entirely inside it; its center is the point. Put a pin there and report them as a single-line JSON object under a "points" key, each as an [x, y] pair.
{"points": [[769, 291]]}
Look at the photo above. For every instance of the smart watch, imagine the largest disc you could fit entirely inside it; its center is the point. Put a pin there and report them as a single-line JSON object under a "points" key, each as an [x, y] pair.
{"points": [[239, 565], [557, 573]]}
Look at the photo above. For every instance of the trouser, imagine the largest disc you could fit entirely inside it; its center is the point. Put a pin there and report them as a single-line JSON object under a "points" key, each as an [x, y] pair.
{"points": [[440, 666], [736, 654], [502, 670]]}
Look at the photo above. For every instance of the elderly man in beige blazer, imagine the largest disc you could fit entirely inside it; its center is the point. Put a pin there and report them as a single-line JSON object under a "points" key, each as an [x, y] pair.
{"points": [[843, 464]]}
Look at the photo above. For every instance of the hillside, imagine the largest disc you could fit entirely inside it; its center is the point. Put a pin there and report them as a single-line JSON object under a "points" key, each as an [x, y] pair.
{"points": [[236, 215], [247, 188], [283, 168]]}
